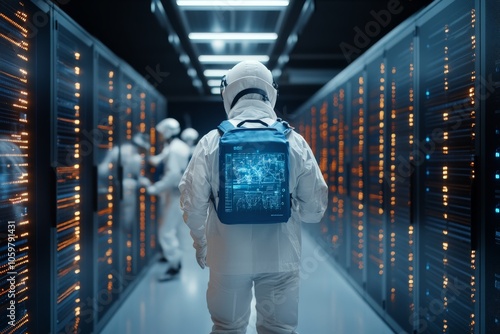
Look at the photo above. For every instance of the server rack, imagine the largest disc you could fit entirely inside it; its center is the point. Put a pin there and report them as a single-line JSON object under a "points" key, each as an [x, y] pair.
{"points": [[489, 166], [355, 165], [447, 144], [419, 167], [15, 184], [376, 200], [62, 163], [400, 180], [72, 61], [338, 178], [106, 161]]}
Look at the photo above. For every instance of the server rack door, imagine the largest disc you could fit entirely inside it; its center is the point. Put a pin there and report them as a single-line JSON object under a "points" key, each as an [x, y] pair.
{"points": [[376, 201], [129, 165], [107, 280], [141, 128], [314, 130], [399, 176], [72, 72], [157, 113], [15, 146], [489, 93], [447, 147], [337, 175], [357, 176], [323, 160]]}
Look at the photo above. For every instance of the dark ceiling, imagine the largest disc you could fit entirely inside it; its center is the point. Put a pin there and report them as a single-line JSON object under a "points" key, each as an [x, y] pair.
{"points": [[329, 35]]}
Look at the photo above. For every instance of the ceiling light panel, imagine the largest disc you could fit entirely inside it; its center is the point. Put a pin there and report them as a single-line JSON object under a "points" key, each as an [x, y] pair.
{"points": [[214, 83], [224, 21], [232, 36], [229, 48], [229, 59], [232, 4], [223, 33], [217, 73]]}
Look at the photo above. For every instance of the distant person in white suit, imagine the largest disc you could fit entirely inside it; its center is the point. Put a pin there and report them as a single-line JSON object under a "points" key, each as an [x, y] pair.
{"points": [[175, 156]]}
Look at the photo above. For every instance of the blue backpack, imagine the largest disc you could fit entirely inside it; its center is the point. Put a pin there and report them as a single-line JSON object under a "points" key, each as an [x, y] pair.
{"points": [[254, 173]]}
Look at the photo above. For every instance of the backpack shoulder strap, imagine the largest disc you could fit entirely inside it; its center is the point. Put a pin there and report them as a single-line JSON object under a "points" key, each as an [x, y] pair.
{"points": [[282, 126], [225, 126]]}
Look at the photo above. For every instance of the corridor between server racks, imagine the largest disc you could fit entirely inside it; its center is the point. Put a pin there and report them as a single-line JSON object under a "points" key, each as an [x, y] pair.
{"points": [[328, 303]]}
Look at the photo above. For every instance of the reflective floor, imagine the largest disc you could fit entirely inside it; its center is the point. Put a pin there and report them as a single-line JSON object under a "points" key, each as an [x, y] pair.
{"points": [[328, 304]]}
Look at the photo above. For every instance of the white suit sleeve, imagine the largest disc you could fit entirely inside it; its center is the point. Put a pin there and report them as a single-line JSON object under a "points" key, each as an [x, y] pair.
{"points": [[195, 194], [174, 167], [311, 193]]}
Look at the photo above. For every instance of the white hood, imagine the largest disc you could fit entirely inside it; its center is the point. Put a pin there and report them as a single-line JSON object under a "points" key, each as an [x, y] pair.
{"points": [[248, 75]]}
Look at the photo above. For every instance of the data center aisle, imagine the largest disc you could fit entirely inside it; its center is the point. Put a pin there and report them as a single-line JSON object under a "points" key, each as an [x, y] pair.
{"points": [[328, 304]]}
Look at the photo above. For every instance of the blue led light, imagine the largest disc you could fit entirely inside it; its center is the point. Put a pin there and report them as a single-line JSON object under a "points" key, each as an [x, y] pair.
{"points": [[427, 139], [497, 154], [497, 176], [427, 93], [427, 157], [497, 210]]}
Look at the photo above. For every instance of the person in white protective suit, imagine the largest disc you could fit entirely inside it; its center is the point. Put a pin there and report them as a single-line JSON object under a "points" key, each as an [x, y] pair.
{"points": [[242, 257], [175, 157], [130, 160]]}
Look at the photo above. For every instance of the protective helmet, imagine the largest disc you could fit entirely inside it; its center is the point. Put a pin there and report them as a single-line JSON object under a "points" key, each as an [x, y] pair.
{"points": [[168, 127], [189, 135], [248, 77]]}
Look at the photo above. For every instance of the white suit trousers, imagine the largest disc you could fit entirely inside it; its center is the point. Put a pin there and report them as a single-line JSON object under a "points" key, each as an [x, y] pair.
{"points": [[169, 226], [277, 298]]}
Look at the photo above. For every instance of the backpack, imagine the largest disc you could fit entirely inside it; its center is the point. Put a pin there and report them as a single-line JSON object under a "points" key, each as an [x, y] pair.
{"points": [[254, 173]]}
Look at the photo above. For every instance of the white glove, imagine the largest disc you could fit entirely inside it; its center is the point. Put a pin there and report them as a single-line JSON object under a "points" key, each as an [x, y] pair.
{"points": [[201, 254], [144, 181], [152, 190], [155, 160]]}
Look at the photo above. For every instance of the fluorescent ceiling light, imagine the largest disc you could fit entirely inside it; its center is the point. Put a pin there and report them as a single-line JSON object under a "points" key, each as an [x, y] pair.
{"points": [[233, 3], [215, 90], [215, 73], [213, 83], [232, 59], [203, 36]]}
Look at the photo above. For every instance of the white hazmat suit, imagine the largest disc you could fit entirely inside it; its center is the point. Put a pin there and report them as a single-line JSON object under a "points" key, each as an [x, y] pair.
{"points": [[175, 157], [263, 256], [130, 160]]}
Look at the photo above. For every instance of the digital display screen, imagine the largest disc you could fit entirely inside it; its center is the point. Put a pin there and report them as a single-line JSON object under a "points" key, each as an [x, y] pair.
{"points": [[255, 182]]}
